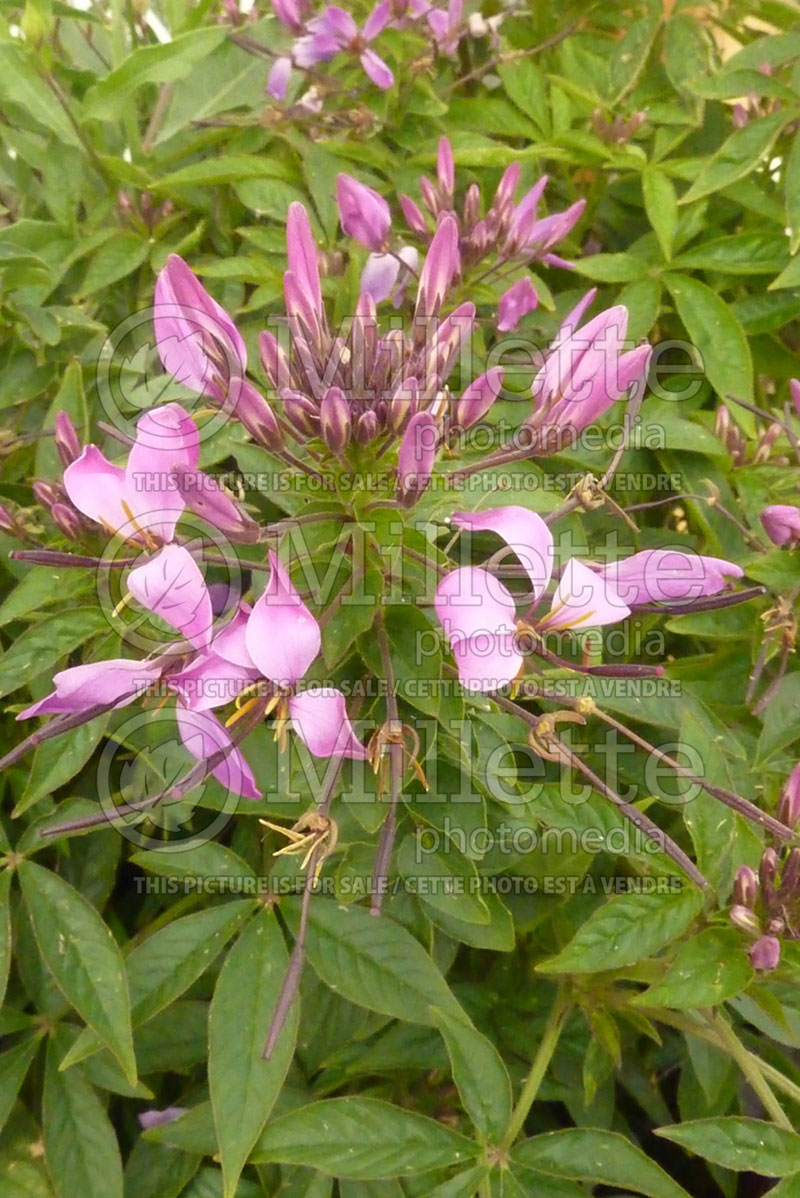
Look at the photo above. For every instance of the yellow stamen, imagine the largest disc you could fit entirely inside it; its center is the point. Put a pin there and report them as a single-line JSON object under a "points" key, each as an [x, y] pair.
{"points": [[124, 601], [237, 715], [143, 533]]}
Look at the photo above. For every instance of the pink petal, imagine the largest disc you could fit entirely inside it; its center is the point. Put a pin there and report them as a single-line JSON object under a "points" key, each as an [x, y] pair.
{"points": [[279, 76], [338, 23], [210, 681], [471, 601], [230, 642], [516, 302], [301, 251], [203, 735], [659, 575], [187, 323], [117, 681], [282, 636], [172, 586], [377, 70], [794, 387], [319, 717], [524, 532], [379, 276], [487, 661], [377, 20], [165, 437], [97, 488], [583, 599]]}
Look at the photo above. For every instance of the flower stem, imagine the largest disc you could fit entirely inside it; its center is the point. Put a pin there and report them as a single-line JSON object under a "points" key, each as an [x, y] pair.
{"points": [[752, 1070], [544, 1055]]}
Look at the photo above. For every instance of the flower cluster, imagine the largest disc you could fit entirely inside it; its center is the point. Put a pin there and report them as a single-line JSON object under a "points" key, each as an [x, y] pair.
{"points": [[767, 901]]}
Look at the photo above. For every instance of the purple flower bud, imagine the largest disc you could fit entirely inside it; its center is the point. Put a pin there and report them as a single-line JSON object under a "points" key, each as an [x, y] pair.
{"points": [[442, 264], [518, 301], [789, 876], [478, 398], [472, 205], [301, 412], [794, 387], [416, 457], [249, 406], [765, 953], [67, 440], [789, 803], [46, 494], [366, 427], [334, 418], [274, 360], [768, 869], [507, 186], [290, 13], [782, 523], [67, 520], [207, 499], [279, 76], [364, 213], [743, 917], [445, 170], [7, 521], [745, 886], [154, 1118], [414, 218], [403, 405], [429, 197]]}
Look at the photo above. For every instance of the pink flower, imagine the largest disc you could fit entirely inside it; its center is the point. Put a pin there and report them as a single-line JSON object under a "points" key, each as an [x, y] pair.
{"points": [[79, 689], [518, 301], [283, 639], [447, 27], [667, 575], [364, 214], [586, 372], [478, 612], [336, 30], [197, 341], [781, 523]]}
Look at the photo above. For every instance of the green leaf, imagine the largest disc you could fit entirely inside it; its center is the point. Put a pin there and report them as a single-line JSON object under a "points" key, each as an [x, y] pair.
{"points": [[209, 860], [624, 930], [740, 1144], [612, 268], [83, 957], [79, 1142], [480, 1076], [40, 588], [741, 254], [5, 931], [374, 963], [783, 726], [708, 969], [716, 333], [686, 51], [599, 1158], [661, 206], [115, 260], [791, 191], [153, 1169], [43, 644], [630, 56], [738, 156], [446, 880], [526, 86], [363, 1139], [164, 63], [14, 1065], [243, 1086], [22, 85], [168, 962], [59, 759]]}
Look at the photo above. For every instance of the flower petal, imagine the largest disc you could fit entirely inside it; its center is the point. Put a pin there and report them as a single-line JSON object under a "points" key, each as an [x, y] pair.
{"points": [[282, 636], [118, 680], [487, 661], [658, 575], [165, 437], [583, 599], [172, 586], [211, 681], [187, 323], [524, 532], [377, 70], [203, 735], [97, 488], [470, 601], [319, 717]]}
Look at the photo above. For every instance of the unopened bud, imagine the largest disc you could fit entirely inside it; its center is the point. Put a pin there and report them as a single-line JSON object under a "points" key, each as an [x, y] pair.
{"points": [[744, 918], [334, 419], [790, 874], [414, 218], [67, 520], [472, 205], [745, 886], [7, 521], [46, 494], [416, 457], [768, 869], [249, 406], [478, 398], [765, 953], [429, 195], [366, 428], [789, 802], [403, 405], [207, 499], [301, 412], [67, 440]]}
